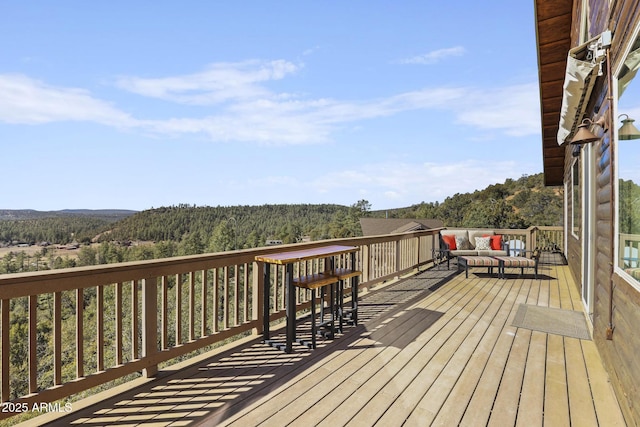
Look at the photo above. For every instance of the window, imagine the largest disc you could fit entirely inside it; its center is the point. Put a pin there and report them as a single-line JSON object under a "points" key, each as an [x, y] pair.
{"points": [[627, 158]]}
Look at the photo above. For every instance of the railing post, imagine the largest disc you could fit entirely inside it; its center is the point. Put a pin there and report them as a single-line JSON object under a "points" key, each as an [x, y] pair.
{"points": [[150, 323], [258, 302], [6, 351], [366, 263], [532, 238]]}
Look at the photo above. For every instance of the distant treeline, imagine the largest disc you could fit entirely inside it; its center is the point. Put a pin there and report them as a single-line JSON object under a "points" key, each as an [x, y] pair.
{"points": [[189, 229], [59, 230]]}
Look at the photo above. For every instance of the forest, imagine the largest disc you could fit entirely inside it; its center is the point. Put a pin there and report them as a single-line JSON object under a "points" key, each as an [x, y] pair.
{"points": [[188, 229]]}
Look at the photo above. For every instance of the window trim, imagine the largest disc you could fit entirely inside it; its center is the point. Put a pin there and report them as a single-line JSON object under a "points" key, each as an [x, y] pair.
{"points": [[576, 196]]}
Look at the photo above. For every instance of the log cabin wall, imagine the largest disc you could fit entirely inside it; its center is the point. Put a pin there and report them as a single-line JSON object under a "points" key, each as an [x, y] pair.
{"points": [[616, 314]]}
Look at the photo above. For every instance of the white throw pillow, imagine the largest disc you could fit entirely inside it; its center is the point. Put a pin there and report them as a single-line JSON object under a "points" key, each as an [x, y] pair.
{"points": [[483, 243]]}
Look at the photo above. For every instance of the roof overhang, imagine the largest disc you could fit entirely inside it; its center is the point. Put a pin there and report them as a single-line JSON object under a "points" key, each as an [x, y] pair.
{"points": [[553, 36]]}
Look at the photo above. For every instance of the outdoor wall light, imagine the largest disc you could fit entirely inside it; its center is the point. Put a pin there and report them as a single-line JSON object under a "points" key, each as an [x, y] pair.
{"points": [[584, 135], [628, 129]]}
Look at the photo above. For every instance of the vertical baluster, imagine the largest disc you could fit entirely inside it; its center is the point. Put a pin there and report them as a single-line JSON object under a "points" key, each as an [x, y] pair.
{"points": [[134, 320], [216, 301], [178, 309], [57, 338], [100, 328], [375, 260], [203, 300], [246, 292], [118, 320], [164, 344], [236, 295], [384, 256], [33, 349], [393, 251], [192, 299], [79, 332], [225, 301], [296, 273], [282, 284], [274, 289]]}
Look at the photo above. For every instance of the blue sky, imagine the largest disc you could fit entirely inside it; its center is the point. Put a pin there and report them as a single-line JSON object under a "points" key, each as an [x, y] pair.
{"points": [[134, 105]]}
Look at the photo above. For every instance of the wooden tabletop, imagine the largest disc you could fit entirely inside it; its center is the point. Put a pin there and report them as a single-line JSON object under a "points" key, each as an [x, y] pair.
{"points": [[288, 257]]}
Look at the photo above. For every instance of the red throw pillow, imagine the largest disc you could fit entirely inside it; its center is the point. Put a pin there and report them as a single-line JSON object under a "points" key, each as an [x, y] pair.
{"points": [[496, 242], [450, 240]]}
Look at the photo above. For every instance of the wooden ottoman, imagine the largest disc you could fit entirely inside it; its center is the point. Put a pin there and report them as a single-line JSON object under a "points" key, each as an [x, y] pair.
{"points": [[515, 262], [477, 261]]}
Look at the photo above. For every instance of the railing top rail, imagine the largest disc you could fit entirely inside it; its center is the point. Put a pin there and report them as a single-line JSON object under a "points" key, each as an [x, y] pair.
{"points": [[31, 283]]}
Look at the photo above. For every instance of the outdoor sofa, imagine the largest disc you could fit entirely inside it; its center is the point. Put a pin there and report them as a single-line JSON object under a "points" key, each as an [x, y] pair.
{"points": [[483, 248], [481, 243], [472, 242]]}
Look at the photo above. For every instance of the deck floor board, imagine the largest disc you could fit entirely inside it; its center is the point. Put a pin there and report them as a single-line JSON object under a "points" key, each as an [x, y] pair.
{"points": [[426, 352]]}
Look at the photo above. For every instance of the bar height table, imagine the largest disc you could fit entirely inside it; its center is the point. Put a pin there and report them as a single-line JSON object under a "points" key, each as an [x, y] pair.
{"points": [[288, 259]]}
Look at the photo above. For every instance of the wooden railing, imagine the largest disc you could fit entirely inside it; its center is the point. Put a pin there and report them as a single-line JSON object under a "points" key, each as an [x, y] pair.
{"points": [[147, 313], [629, 250], [545, 238], [150, 312]]}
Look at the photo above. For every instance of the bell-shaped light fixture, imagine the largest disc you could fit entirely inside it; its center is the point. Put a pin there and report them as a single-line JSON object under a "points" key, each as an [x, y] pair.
{"points": [[628, 129], [583, 134]]}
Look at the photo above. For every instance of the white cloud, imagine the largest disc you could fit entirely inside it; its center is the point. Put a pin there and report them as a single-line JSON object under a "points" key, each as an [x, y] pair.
{"points": [[385, 184], [434, 56], [388, 184], [249, 111], [515, 109], [278, 122], [221, 82], [28, 101]]}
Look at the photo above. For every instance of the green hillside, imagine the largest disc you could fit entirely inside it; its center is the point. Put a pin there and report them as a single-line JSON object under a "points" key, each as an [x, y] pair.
{"points": [[515, 204], [187, 229]]}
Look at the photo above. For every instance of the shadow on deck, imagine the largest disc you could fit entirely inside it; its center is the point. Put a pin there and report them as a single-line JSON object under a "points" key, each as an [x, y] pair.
{"points": [[226, 381]]}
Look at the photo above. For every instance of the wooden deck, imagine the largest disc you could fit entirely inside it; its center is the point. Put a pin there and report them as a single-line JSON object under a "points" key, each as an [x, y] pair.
{"points": [[433, 349]]}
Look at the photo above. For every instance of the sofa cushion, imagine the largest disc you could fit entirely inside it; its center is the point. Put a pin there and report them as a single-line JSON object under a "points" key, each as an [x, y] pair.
{"points": [[492, 252], [467, 252]]}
